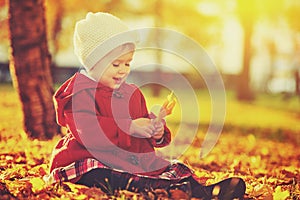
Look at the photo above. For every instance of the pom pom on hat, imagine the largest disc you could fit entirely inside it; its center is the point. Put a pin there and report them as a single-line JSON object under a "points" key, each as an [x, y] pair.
{"points": [[97, 35]]}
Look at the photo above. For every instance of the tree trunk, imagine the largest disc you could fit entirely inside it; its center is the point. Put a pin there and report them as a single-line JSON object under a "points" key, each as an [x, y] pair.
{"points": [[244, 91], [30, 67], [297, 81], [156, 88]]}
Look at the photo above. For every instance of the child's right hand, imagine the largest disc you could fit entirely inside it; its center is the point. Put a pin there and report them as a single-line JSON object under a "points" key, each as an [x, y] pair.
{"points": [[142, 127]]}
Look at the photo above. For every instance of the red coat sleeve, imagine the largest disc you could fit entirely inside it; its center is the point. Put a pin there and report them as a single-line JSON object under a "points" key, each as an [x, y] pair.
{"points": [[165, 140]]}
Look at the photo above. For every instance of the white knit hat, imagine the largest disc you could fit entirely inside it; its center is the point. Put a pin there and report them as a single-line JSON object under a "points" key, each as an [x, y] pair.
{"points": [[97, 35]]}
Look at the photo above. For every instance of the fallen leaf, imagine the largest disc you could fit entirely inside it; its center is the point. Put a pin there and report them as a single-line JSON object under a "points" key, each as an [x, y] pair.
{"points": [[178, 194], [38, 184], [261, 189], [279, 194]]}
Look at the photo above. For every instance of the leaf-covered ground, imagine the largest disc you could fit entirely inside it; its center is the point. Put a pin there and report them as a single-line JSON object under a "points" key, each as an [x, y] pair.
{"points": [[260, 143]]}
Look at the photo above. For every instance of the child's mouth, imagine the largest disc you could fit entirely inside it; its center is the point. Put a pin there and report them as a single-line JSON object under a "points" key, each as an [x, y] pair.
{"points": [[117, 80]]}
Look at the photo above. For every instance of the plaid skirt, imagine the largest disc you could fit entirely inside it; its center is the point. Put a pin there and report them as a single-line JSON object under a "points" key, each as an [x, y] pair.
{"points": [[176, 172]]}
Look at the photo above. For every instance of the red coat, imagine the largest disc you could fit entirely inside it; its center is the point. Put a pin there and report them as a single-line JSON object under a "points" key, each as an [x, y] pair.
{"points": [[98, 121]]}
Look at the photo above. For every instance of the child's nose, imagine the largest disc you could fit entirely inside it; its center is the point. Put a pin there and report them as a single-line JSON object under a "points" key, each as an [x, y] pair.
{"points": [[123, 69]]}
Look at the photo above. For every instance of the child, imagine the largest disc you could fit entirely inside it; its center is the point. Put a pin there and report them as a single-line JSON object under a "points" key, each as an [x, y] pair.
{"points": [[111, 136]]}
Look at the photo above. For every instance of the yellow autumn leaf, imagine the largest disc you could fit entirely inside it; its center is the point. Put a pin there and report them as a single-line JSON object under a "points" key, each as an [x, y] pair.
{"points": [[37, 183], [261, 189], [81, 197], [279, 194]]}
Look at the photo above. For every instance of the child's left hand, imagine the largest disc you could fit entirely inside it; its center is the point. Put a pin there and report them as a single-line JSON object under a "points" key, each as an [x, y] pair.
{"points": [[159, 130]]}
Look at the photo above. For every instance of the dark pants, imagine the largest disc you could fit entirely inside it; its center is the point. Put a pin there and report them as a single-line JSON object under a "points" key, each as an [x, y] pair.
{"points": [[109, 181]]}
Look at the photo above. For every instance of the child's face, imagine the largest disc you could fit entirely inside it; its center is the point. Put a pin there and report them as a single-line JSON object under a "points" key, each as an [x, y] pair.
{"points": [[117, 71], [113, 69]]}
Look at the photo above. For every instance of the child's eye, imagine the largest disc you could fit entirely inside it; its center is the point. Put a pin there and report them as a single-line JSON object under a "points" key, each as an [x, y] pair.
{"points": [[127, 64], [116, 64]]}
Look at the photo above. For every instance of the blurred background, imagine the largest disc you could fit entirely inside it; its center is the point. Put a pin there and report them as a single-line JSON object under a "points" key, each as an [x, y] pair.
{"points": [[255, 46], [268, 30]]}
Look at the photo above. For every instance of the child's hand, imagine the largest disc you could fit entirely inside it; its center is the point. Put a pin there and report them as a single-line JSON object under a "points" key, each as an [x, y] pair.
{"points": [[142, 127], [159, 130]]}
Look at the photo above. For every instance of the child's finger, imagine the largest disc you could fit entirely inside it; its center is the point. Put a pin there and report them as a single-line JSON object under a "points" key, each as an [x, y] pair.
{"points": [[150, 130], [160, 129], [146, 133], [152, 127], [158, 125], [158, 135]]}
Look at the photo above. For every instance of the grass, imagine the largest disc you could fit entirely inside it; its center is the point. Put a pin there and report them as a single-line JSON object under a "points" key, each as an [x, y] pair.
{"points": [[267, 116]]}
